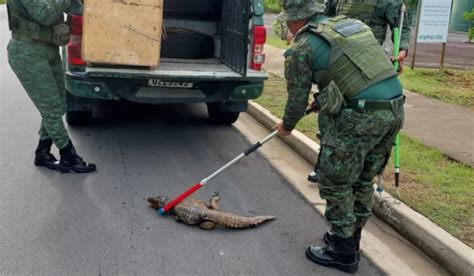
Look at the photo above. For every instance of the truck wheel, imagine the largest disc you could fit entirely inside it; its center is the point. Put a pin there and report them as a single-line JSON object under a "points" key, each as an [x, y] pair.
{"points": [[79, 118], [219, 116]]}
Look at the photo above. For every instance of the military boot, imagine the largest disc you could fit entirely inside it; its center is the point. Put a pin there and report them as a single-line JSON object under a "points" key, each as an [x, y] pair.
{"points": [[315, 174], [329, 238], [71, 162], [43, 157], [339, 254]]}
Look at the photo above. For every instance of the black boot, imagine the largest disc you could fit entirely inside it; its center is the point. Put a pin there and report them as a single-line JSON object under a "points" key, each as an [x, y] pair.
{"points": [[71, 162], [315, 174], [329, 238], [340, 255], [43, 157]]}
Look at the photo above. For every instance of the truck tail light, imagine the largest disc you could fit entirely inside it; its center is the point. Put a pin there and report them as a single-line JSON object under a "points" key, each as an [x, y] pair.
{"points": [[258, 55], [74, 48]]}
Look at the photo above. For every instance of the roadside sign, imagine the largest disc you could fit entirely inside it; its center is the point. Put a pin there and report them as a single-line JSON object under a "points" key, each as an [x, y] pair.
{"points": [[434, 21]]}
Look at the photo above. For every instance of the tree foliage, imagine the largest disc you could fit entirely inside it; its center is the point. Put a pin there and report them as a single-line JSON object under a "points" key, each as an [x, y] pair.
{"points": [[469, 16]]}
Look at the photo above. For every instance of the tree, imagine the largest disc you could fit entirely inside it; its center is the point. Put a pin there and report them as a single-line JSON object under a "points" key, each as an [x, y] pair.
{"points": [[469, 16]]}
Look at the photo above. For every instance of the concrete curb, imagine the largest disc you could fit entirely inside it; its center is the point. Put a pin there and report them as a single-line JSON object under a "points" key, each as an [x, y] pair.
{"points": [[435, 242]]}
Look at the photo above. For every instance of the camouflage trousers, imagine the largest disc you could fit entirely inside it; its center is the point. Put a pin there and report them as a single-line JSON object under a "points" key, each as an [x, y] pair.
{"points": [[356, 145], [38, 67]]}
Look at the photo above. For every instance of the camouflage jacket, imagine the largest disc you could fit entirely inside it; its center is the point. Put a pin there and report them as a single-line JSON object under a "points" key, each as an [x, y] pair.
{"points": [[46, 13], [378, 14]]}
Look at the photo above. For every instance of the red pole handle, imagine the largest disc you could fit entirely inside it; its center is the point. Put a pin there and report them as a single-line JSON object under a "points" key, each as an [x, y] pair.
{"points": [[180, 198]]}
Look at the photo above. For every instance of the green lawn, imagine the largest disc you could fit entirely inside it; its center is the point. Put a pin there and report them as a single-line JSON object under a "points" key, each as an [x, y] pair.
{"points": [[451, 86], [3, 1], [275, 41], [431, 183]]}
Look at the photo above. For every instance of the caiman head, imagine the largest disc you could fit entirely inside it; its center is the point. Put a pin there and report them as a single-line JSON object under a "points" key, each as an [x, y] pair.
{"points": [[158, 202]]}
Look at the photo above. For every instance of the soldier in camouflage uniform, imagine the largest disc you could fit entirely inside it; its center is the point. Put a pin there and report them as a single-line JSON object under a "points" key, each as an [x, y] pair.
{"points": [[38, 29], [361, 99], [378, 15]]}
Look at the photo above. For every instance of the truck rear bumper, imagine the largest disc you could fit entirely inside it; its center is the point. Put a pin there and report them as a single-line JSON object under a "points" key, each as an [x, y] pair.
{"points": [[210, 83]]}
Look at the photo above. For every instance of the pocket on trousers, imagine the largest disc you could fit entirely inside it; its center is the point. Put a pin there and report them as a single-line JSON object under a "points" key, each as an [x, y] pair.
{"points": [[336, 159]]}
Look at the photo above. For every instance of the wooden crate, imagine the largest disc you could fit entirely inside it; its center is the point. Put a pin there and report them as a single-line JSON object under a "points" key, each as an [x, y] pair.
{"points": [[122, 32]]}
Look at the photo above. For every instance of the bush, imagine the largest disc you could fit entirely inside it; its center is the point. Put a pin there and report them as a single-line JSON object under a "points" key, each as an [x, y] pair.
{"points": [[272, 6], [469, 16]]}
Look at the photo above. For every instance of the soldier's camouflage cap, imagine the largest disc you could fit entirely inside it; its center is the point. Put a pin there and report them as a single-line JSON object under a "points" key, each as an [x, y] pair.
{"points": [[299, 9]]}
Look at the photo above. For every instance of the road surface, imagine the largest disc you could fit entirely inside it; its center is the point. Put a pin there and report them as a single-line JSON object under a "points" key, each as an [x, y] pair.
{"points": [[100, 224]]}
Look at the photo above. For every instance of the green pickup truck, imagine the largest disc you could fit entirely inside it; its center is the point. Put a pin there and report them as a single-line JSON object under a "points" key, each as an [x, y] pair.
{"points": [[213, 55]]}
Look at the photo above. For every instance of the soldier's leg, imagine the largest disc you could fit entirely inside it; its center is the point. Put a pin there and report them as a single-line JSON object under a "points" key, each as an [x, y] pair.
{"points": [[70, 160], [32, 67], [363, 188], [33, 64], [374, 164], [58, 73], [43, 134], [340, 168]]}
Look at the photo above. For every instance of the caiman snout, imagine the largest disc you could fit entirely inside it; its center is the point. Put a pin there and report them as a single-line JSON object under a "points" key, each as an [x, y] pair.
{"points": [[158, 202]]}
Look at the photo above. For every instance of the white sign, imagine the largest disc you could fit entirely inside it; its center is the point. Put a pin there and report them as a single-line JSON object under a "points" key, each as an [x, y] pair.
{"points": [[434, 21]]}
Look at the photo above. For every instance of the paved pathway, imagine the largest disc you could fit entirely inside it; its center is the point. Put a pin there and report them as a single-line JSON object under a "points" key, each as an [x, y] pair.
{"points": [[446, 127]]}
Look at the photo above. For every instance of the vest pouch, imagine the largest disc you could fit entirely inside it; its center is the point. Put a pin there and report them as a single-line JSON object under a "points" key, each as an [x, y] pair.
{"points": [[331, 100], [61, 34]]}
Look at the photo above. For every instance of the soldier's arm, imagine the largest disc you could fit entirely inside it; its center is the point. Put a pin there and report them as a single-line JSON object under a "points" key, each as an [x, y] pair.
{"points": [[298, 74], [46, 12], [392, 13]]}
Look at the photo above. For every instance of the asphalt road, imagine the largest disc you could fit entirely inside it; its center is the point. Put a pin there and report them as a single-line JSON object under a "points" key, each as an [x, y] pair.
{"points": [[100, 224]]}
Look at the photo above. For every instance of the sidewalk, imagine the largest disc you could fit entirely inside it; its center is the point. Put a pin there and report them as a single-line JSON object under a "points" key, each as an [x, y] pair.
{"points": [[446, 127]]}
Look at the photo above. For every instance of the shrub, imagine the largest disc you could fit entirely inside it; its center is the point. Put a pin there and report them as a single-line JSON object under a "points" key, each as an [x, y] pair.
{"points": [[272, 6]]}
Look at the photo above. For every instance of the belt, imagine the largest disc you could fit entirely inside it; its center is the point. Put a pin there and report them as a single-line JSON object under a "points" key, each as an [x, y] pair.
{"points": [[365, 104], [26, 38]]}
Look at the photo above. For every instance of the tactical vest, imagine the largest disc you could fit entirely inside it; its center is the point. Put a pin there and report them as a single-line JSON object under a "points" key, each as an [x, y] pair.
{"points": [[356, 60], [23, 25], [364, 10]]}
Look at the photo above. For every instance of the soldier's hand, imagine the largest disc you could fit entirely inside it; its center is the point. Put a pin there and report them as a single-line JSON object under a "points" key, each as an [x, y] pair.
{"points": [[312, 107], [281, 131], [289, 38], [401, 58]]}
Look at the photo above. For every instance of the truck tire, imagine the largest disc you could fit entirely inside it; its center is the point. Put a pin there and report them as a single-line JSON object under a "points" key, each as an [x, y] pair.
{"points": [[79, 118], [186, 44], [219, 116]]}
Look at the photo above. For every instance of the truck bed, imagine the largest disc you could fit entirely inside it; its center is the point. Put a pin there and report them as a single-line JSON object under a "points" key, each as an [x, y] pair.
{"points": [[211, 68]]}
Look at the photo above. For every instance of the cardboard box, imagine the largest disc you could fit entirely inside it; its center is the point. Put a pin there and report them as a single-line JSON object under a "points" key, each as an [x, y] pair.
{"points": [[122, 32]]}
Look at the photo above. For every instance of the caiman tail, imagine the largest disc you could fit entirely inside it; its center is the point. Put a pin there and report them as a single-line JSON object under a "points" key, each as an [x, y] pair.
{"points": [[234, 221]]}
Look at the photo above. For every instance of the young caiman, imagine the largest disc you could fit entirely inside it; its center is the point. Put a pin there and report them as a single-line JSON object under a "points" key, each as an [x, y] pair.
{"points": [[194, 211]]}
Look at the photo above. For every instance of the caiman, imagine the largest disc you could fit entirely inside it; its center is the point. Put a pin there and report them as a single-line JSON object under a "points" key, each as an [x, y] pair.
{"points": [[207, 216]]}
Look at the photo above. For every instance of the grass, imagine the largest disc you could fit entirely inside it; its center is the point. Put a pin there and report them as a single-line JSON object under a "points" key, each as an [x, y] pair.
{"points": [[275, 41], [451, 86], [431, 183], [3, 1]]}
